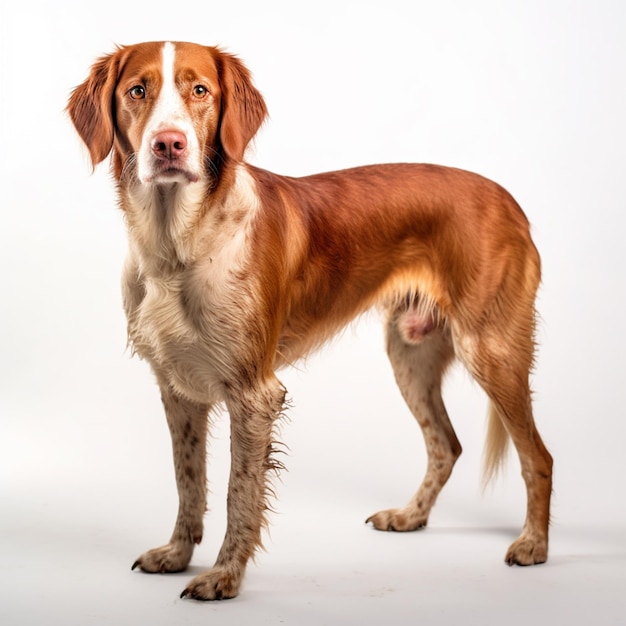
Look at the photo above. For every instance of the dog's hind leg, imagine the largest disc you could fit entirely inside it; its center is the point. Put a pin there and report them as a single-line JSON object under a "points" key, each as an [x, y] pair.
{"points": [[497, 347], [420, 350], [500, 360]]}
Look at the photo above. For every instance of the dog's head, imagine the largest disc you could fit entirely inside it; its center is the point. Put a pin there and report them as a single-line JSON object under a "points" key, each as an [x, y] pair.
{"points": [[169, 112]]}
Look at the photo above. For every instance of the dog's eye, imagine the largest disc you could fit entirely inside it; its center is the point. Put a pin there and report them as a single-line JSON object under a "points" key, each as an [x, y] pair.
{"points": [[137, 92], [200, 91]]}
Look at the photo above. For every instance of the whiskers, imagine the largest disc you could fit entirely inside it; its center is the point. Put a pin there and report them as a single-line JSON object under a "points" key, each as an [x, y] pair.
{"points": [[213, 162], [129, 170]]}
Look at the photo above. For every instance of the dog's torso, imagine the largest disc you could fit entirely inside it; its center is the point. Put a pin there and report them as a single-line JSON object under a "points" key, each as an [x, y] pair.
{"points": [[197, 267]]}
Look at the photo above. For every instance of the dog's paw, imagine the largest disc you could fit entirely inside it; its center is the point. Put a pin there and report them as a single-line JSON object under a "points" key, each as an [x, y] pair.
{"points": [[527, 551], [218, 583], [167, 559], [400, 520]]}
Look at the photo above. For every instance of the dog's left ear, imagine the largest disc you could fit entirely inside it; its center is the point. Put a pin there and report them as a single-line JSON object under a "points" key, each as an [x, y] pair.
{"points": [[243, 107]]}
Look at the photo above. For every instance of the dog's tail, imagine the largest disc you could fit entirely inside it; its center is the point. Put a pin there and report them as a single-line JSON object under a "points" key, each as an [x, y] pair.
{"points": [[496, 445]]}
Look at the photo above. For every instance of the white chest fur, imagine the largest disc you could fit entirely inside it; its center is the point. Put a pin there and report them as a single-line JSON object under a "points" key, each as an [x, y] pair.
{"points": [[185, 310]]}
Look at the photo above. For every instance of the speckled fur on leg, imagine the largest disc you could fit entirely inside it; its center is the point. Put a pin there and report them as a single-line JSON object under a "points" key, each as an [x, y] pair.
{"points": [[253, 414], [419, 368], [510, 394], [188, 423]]}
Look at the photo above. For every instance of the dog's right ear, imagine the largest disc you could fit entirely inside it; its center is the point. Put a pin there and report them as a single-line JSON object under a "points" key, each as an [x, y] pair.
{"points": [[91, 107]]}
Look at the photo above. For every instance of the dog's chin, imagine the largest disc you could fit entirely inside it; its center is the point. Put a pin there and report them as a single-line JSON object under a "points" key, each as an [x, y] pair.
{"points": [[169, 176]]}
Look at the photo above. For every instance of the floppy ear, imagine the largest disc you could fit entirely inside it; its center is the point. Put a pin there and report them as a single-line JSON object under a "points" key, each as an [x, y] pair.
{"points": [[91, 107], [243, 107]]}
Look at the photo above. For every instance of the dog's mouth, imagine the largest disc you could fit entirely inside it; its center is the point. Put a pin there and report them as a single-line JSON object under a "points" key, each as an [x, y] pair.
{"points": [[171, 172]]}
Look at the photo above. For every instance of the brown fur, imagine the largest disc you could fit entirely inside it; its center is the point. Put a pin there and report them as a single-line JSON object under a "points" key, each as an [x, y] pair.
{"points": [[234, 271]]}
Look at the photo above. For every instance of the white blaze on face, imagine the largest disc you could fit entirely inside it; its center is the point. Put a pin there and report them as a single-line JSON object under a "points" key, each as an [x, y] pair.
{"points": [[169, 114]]}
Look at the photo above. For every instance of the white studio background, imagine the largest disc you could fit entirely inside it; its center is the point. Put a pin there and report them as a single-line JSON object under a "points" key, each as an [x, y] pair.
{"points": [[531, 93]]}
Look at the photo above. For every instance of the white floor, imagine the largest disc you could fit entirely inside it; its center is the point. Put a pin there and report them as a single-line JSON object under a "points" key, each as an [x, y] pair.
{"points": [[67, 561]]}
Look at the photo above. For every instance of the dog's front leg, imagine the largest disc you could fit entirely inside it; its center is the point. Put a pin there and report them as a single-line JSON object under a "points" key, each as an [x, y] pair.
{"points": [[253, 414], [188, 423]]}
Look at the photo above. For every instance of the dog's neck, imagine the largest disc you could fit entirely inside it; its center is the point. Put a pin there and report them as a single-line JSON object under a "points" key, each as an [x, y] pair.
{"points": [[163, 219]]}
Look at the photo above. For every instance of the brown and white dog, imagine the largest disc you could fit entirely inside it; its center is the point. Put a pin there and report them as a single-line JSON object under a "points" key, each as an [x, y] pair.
{"points": [[234, 272]]}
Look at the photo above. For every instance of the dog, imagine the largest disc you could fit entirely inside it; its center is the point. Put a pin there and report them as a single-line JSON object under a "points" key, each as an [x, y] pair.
{"points": [[234, 272]]}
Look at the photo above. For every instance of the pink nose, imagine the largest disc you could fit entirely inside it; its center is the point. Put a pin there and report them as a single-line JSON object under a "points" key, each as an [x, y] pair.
{"points": [[169, 144]]}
